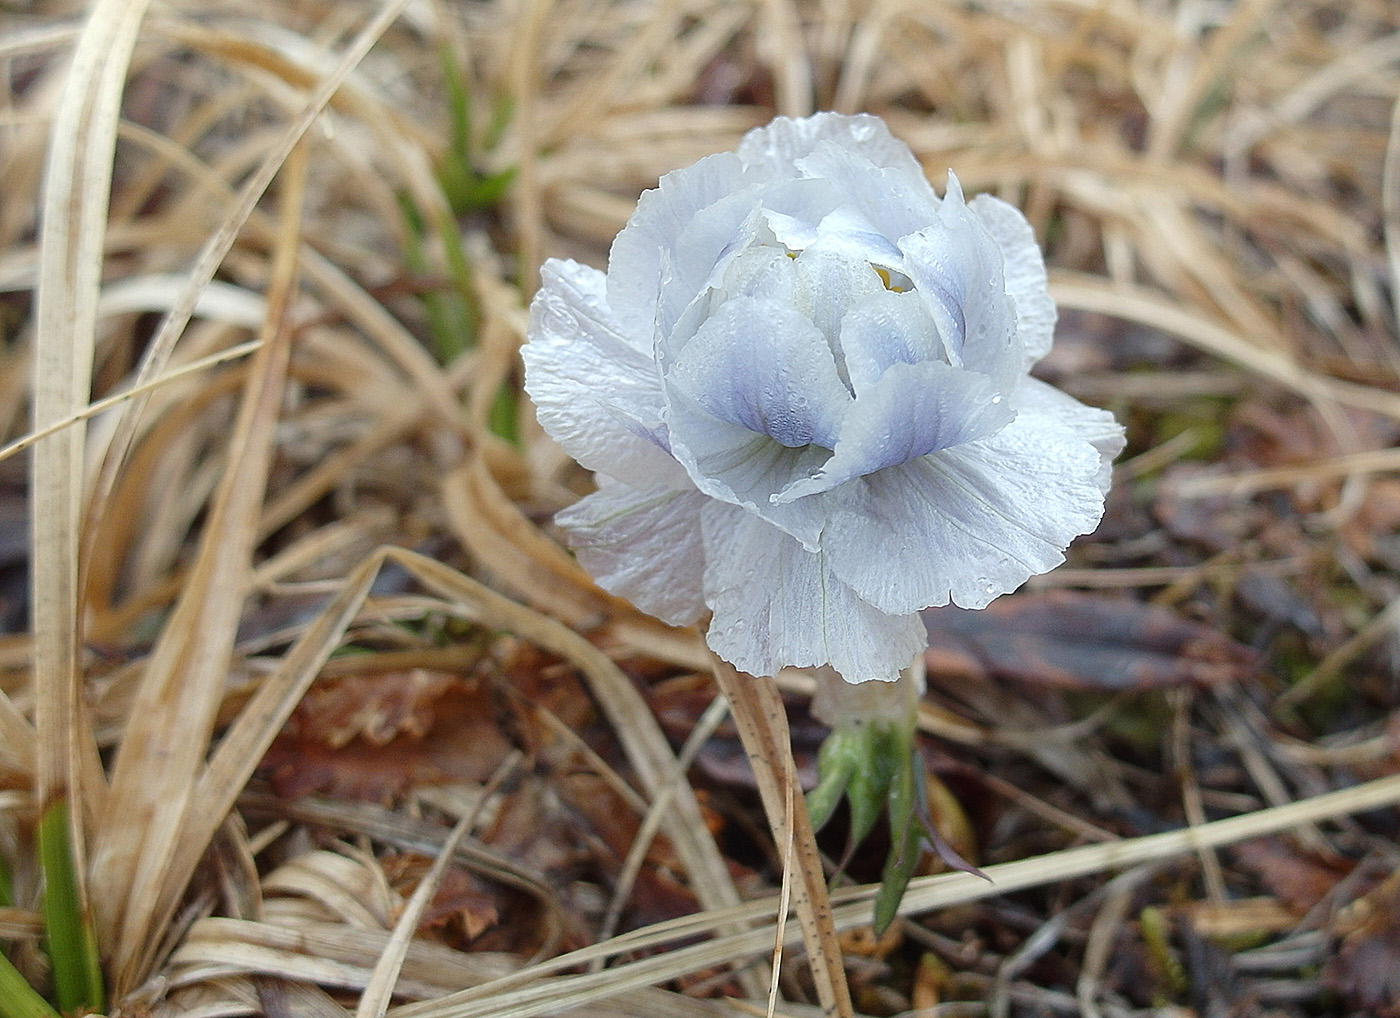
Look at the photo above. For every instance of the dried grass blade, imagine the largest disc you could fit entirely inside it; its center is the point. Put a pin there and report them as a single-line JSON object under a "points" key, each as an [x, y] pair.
{"points": [[248, 738], [636, 727], [1138, 304], [168, 731], [76, 194], [219, 243], [758, 711], [374, 1002]]}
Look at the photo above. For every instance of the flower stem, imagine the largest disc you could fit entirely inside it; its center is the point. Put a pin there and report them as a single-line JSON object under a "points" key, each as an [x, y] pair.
{"points": [[762, 722]]}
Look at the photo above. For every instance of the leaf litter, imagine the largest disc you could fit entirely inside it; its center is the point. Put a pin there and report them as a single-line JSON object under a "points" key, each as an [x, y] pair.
{"points": [[305, 708]]}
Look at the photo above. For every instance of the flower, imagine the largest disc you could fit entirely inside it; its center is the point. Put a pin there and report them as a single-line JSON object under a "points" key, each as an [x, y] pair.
{"points": [[803, 384]]}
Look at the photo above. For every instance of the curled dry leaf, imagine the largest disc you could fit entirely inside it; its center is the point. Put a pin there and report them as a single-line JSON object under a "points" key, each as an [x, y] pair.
{"points": [[374, 736], [1077, 641]]}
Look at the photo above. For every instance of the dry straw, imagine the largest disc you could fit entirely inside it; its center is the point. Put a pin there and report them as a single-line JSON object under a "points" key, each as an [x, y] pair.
{"points": [[235, 426]]}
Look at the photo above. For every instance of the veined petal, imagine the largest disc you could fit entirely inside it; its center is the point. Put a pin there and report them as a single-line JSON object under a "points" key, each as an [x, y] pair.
{"points": [[910, 411], [969, 523], [827, 286], [777, 147], [957, 266], [893, 201], [637, 261], [1095, 426], [776, 604], [575, 344], [733, 464], [1025, 273], [761, 364], [718, 233], [887, 328], [643, 544]]}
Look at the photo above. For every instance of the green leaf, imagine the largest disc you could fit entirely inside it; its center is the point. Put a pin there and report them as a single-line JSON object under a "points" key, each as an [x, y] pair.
{"points": [[77, 969], [17, 998]]}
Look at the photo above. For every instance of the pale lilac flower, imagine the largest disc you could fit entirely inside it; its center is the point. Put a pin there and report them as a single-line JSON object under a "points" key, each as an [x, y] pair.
{"points": [[803, 384]]}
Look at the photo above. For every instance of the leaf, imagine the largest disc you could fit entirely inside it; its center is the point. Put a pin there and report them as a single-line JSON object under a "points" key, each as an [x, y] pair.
{"points": [[370, 737], [1079, 641], [1366, 967]]}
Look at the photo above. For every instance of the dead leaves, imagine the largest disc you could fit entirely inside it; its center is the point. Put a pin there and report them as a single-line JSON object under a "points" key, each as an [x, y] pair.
{"points": [[375, 736], [1077, 641]]}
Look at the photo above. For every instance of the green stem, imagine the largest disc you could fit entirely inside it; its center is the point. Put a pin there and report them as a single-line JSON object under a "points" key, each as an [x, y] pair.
{"points": [[77, 968]]}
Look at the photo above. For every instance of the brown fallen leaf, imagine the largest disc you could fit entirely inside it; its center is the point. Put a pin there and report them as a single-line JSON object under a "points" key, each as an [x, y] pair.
{"points": [[1298, 878], [373, 736], [462, 902], [1080, 641], [1366, 968]]}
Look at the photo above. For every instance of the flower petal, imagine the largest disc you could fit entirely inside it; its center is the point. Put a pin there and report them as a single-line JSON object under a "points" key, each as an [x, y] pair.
{"points": [[1025, 273], [778, 146], [1097, 427], [700, 254], [884, 329], [749, 417], [636, 262], [828, 286], [910, 411], [643, 544], [888, 202], [957, 266], [575, 344], [969, 523], [776, 604], [761, 364]]}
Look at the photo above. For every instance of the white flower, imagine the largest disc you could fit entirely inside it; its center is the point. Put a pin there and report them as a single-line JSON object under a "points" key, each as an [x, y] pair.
{"points": [[803, 383]]}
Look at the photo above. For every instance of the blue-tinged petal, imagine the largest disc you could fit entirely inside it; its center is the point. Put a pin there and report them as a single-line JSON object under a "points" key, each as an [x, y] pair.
{"points": [[887, 202], [910, 411], [778, 146], [828, 285], [956, 265], [636, 263], [887, 328], [643, 544], [1095, 426], [762, 365], [776, 604], [733, 464], [701, 252], [969, 523], [596, 394], [1025, 273]]}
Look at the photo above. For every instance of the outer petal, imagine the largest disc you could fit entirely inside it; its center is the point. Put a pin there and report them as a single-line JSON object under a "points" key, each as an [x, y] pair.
{"points": [[636, 262], [957, 266], [911, 411], [777, 147], [1095, 426], [777, 605], [966, 524], [643, 544], [1025, 273], [596, 394]]}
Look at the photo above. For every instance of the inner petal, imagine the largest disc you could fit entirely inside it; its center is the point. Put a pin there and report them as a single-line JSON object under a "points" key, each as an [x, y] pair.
{"points": [[760, 364]]}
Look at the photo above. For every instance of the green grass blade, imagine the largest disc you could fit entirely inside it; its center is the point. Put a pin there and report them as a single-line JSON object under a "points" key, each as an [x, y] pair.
{"points": [[17, 998], [77, 970]]}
